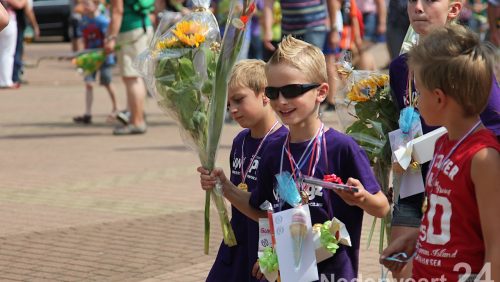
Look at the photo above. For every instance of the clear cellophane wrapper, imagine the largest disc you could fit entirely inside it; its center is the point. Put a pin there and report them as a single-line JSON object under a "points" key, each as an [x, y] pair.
{"points": [[179, 68]]}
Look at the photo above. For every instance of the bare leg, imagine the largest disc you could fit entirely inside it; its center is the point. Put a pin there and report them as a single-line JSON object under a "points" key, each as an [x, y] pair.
{"points": [[89, 98], [112, 96], [136, 93]]}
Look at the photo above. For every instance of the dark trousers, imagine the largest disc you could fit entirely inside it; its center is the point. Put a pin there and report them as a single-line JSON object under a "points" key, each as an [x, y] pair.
{"points": [[18, 56]]}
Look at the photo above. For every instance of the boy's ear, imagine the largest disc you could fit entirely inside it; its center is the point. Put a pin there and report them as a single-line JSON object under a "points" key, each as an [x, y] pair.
{"points": [[323, 91], [454, 9], [265, 99], [440, 98]]}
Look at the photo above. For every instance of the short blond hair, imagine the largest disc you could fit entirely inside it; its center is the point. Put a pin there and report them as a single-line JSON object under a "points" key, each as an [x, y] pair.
{"points": [[249, 73], [303, 56], [453, 59]]}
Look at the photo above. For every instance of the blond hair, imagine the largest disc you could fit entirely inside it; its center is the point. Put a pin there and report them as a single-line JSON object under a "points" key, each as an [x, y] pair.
{"points": [[249, 73], [453, 59], [303, 56]]}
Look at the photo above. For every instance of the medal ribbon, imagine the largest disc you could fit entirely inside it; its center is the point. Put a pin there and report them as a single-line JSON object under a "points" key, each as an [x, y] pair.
{"points": [[430, 179], [245, 173]]}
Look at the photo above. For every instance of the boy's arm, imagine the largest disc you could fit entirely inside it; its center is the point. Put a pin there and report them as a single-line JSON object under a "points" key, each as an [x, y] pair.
{"points": [[374, 204], [238, 198], [484, 173]]}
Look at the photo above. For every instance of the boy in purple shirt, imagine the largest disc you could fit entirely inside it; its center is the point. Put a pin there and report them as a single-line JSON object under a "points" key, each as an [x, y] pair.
{"points": [[297, 81], [248, 106]]}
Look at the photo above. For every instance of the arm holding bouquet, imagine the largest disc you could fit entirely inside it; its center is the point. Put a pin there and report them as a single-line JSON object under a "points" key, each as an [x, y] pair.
{"points": [[237, 197]]}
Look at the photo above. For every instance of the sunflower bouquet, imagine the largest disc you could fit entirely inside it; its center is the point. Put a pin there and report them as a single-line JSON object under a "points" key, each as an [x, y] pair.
{"points": [[186, 67], [367, 113]]}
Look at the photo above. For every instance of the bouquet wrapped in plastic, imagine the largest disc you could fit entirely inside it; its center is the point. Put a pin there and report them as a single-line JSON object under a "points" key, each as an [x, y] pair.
{"points": [[367, 113], [186, 68]]}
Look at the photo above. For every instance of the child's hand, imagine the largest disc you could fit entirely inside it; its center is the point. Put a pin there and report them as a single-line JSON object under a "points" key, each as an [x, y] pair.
{"points": [[209, 179], [353, 199], [256, 271], [404, 244]]}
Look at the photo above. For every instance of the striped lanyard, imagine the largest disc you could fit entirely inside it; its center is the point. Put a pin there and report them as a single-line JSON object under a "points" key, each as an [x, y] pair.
{"points": [[411, 96], [245, 173], [432, 178], [309, 152]]}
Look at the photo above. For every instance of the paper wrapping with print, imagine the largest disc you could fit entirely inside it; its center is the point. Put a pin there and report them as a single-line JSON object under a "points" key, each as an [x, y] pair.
{"points": [[339, 235]]}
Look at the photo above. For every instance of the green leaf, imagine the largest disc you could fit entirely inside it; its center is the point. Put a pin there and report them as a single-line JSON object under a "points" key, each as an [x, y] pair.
{"points": [[186, 69]]}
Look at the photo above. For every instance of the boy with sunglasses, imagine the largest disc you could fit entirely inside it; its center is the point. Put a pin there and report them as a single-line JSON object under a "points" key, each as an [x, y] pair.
{"points": [[297, 80], [250, 108]]}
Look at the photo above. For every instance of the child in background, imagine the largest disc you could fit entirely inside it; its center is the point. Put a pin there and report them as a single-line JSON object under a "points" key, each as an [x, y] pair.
{"points": [[297, 80], [453, 74], [250, 108], [424, 17], [94, 26]]}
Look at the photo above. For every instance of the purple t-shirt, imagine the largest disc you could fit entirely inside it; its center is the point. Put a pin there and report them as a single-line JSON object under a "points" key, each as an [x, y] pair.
{"points": [[398, 73], [235, 263], [346, 159]]}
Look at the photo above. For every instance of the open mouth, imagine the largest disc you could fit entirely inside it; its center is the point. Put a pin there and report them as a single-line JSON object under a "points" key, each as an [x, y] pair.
{"points": [[286, 113]]}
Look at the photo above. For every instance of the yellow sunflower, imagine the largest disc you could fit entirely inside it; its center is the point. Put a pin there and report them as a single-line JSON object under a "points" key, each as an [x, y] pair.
{"points": [[190, 33]]}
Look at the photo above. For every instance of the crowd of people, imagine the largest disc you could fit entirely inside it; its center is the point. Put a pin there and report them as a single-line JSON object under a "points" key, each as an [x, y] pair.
{"points": [[286, 74]]}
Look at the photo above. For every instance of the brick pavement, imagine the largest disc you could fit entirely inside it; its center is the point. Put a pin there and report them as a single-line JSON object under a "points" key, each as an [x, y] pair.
{"points": [[78, 204]]}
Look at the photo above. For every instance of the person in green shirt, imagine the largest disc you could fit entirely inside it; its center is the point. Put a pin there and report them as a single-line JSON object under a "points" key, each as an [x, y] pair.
{"points": [[133, 31]]}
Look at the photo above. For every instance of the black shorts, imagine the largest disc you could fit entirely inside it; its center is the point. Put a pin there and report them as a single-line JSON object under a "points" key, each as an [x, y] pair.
{"points": [[408, 211]]}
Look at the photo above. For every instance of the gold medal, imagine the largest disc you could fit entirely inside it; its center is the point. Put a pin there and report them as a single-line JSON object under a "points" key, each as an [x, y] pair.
{"points": [[243, 186], [304, 196], [424, 205]]}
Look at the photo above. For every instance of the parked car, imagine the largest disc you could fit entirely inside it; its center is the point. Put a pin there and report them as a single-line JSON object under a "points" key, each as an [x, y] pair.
{"points": [[54, 17]]}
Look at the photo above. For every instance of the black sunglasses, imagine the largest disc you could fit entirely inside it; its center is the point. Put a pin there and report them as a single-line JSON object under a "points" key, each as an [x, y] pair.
{"points": [[289, 91]]}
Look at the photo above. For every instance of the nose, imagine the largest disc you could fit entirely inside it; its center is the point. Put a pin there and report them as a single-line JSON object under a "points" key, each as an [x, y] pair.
{"points": [[232, 108], [417, 7], [281, 99]]}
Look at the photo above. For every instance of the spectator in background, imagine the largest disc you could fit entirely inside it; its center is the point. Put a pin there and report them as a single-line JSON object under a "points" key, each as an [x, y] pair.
{"points": [[4, 17], [493, 12], [8, 44], [133, 30], [255, 48], [305, 20], [397, 26], [374, 16], [94, 26], [21, 15]]}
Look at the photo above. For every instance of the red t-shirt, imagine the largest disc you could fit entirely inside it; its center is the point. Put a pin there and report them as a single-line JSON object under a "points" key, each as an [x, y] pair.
{"points": [[450, 233]]}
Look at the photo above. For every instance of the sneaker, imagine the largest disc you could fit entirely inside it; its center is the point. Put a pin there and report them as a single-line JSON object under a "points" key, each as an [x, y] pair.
{"points": [[85, 119], [130, 129], [123, 117]]}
